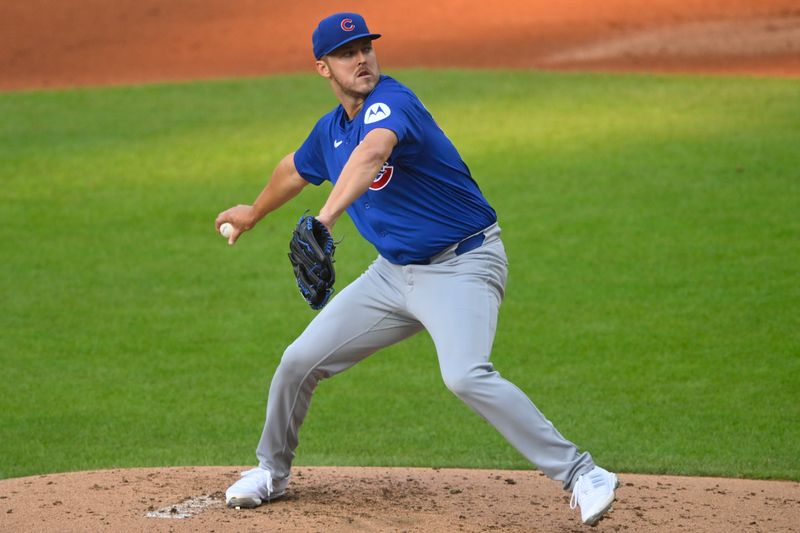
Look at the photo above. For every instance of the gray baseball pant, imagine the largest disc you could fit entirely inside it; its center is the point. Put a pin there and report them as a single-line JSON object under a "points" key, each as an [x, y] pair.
{"points": [[455, 298]]}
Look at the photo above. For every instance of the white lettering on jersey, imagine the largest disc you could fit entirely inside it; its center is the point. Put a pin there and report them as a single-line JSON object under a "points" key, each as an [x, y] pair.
{"points": [[376, 112]]}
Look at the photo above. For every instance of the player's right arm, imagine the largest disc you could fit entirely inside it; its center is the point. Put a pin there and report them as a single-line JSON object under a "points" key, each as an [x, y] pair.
{"points": [[285, 184]]}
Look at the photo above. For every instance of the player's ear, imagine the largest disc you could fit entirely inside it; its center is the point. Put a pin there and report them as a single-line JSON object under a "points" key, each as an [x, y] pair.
{"points": [[323, 69]]}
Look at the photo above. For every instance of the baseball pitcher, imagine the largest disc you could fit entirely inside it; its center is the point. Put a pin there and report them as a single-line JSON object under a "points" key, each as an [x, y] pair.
{"points": [[441, 267]]}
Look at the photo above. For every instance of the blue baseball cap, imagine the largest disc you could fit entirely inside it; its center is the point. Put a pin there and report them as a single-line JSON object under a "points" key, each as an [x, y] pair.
{"points": [[338, 29]]}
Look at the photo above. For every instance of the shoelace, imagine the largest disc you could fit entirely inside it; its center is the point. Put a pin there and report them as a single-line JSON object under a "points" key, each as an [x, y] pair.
{"points": [[595, 480], [573, 502], [258, 470]]}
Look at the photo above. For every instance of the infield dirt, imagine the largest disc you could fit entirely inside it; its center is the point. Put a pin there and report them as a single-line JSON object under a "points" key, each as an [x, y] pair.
{"points": [[60, 43], [386, 499]]}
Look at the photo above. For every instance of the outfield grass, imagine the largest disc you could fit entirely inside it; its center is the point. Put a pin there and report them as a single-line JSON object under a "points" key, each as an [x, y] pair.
{"points": [[652, 311]]}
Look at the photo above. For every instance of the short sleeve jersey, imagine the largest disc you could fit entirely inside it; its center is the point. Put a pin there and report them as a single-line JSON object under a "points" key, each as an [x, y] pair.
{"points": [[423, 199]]}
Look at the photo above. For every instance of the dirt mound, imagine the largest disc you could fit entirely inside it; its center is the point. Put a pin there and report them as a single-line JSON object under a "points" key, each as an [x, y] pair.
{"points": [[386, 499], [61, 43]]}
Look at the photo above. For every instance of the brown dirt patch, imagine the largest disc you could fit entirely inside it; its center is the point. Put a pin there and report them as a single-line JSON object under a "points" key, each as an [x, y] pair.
{"points": [[386, 499], [62, 43]]}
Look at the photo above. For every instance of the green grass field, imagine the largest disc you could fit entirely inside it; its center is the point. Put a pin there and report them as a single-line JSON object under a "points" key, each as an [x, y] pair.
{"points": [[652, 311]]}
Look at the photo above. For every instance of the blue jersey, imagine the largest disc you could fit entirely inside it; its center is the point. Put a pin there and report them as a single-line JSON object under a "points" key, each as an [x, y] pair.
{"points": [[423, 199]]}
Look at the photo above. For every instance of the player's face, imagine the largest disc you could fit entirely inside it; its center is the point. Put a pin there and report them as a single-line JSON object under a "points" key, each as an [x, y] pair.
{"points": [[352, 67]]}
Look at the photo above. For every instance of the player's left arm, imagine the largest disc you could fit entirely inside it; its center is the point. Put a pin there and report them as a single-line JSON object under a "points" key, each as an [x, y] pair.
{"points": [[358, 173]]}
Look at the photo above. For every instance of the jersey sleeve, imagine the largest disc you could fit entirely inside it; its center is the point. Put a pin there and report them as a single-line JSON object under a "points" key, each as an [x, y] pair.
{"points": [[308, 159], [398, 111]]}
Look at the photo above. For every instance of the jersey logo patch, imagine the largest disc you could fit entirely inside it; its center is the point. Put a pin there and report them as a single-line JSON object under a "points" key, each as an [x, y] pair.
{"points": [[383, 178], [376, 112]]}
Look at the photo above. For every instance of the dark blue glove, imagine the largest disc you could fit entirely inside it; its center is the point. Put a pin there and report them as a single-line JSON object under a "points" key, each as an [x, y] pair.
{"points": [[311, 253]]}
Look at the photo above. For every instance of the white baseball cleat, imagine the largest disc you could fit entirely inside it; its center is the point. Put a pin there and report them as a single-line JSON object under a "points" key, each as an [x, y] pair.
{"points": [[254, 488], [594, 493]]}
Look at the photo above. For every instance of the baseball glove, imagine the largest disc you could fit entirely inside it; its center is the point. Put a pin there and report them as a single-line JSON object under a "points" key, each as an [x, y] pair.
{"points": [[311, 253]]}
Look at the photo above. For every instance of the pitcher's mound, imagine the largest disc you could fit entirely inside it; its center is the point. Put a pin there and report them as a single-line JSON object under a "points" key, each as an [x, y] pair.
{"points": [[385, 499]]}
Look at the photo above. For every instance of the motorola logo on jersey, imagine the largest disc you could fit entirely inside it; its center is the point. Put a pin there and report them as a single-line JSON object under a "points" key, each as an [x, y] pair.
{"points": [[347, 25], [383, 178], [376, 112]]}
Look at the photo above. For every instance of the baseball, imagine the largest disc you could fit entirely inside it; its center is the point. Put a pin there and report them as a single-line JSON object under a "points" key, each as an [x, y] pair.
{"points": [[226, 229]]}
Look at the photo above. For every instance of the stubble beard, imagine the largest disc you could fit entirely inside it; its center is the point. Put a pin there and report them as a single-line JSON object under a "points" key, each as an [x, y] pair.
{"points": [[352, 92]]}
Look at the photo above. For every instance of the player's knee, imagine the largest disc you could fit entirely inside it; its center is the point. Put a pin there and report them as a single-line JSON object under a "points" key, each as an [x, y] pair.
{"points": [[465, 382], [296, 364], [458, 385]]}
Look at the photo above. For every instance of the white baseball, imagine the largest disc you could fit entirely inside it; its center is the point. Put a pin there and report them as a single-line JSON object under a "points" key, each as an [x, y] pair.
{"points": [[226, 229]]}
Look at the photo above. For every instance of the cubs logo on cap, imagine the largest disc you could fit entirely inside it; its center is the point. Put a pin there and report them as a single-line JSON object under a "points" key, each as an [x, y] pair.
{"points": [[337, 30]]}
